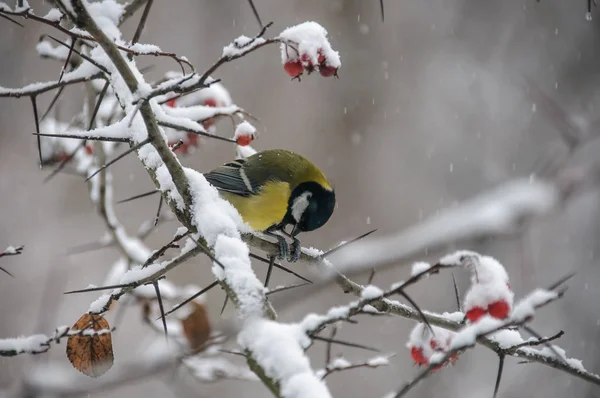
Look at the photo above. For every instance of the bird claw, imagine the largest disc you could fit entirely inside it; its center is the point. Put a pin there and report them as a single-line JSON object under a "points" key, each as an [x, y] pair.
{"points": [[295, 252], [284, 248]]}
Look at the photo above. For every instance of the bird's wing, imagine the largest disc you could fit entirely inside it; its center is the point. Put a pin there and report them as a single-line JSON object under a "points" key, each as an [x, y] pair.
{"points": [[231, 178]]}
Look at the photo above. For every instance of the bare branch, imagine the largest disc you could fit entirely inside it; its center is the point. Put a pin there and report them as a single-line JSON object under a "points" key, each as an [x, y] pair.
{"points": [[142, 23], [119, 157]]}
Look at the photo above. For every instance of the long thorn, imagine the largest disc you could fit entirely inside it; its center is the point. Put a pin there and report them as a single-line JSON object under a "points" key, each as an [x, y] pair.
{"points": [[206, 289], [281, 289], [456, 293], [371, 276], [414, 304], [255, 12], [203, 134], [344, 343], [98, 103], [6, 272], [561, 281], [269, 270], [142, 23], [142, 195], [82, 55], [98, 288], [37, 128], [88, 247], [160, 306], [279, 266], [544, 341], [54, 99], [224, 304], [328, 252], [208, 253], [334, 330], [160, 203], [66, 65], [64, 162], [499, 376], [121, 156], [85, 137], [382, 12], [12, 20]]}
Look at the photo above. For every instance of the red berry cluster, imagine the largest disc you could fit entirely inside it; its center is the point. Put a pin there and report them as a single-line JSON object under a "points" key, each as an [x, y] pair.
{"points": [[192, 140], [499, 309], [424, 344], [296, 67]]}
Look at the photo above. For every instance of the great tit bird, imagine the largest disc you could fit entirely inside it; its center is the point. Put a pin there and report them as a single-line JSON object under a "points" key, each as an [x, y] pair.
{"points": [[276, 188]]}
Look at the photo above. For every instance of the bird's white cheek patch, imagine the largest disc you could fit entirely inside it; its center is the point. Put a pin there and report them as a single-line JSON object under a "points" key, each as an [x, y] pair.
{"points": [[299, 206]]}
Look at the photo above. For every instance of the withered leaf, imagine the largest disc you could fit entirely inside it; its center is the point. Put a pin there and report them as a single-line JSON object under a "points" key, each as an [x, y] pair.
{"points": [[91, 355], [196, 327]]}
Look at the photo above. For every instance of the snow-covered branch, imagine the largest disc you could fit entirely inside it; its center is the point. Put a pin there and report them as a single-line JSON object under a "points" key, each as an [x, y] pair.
{"points": [[40, 343]]}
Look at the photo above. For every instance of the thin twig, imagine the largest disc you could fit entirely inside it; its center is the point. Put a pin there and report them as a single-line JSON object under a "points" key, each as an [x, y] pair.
{"points": [[456, 293], [255, 12], [160, 306], [85, 137], [121, 156], [344, 343], [499, 375], [269, 270], [328, 252], [66, 64], [334, 330], [82, 55], [284, 288], [280, 267], [160, 203], [142, 195], [37, 128], [201, 292], [142, 23]]}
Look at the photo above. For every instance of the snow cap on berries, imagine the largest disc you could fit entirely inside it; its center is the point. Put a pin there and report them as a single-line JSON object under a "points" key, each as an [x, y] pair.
{"points": [[490, 291], [423, 344], [244, 133], [216, 95], [305, 47]]}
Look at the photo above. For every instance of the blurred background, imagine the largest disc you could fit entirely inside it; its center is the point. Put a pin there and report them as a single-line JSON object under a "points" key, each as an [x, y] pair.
{"points": [[430, 109]]}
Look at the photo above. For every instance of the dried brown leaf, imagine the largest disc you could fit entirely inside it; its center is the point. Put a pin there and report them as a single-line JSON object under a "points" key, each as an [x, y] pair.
{"points": [[196, 327], [91, 355]]}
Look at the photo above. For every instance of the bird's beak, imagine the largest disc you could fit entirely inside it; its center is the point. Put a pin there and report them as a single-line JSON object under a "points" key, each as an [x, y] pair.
{"points": [[295, 230]]}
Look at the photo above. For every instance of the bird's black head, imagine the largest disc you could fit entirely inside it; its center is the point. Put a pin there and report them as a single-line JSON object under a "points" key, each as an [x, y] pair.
{"points": [[310, 206]]}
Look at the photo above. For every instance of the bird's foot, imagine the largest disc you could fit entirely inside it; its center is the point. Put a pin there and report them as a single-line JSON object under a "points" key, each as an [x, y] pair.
{"points": [[284, 247], [296, 250]]}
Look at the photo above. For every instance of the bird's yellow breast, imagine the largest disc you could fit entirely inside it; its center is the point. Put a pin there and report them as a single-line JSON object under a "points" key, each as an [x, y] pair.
{"points": [[264, 209]]}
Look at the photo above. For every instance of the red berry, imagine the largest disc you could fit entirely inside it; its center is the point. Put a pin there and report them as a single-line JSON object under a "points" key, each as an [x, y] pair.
{"points": [[321, 58], [499, 309], [244, 140], [171, 103], [192, 139], [305, 58], [207, 123], [327, 71], [210, 102], [475, 313], [293, 68], [433, 344], [89, 149], [417, 355]]}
